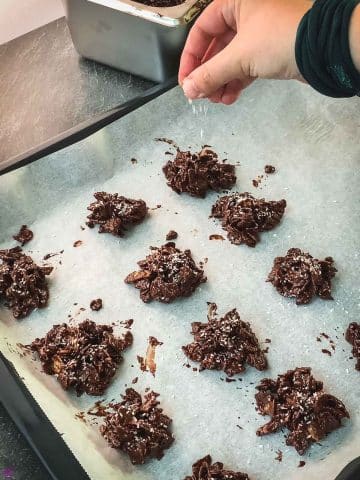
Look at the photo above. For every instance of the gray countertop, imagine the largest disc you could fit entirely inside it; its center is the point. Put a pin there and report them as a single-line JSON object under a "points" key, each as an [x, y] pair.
{"points": [[46, 88]]}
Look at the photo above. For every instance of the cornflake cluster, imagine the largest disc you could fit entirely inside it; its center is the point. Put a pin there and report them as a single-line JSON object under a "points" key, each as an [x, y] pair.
{"points": [[196, 173], [204, 469], [114, 213], [296, 401], [166, 274], [300, 275], [226, 343], [23, 284], [243, 217], [84, 357], [138, 427]]}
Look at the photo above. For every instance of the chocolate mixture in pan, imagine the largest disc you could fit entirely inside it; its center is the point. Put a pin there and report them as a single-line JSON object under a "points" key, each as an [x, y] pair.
{"points": [[297, 401], [300, 275], [160, 3], [114, 213], [196, 173], [138, 427], [23, 284], [166, 274], [204, 469], [83, 357], [226, 343], [244, 217], [24, 236], [353, 337]]}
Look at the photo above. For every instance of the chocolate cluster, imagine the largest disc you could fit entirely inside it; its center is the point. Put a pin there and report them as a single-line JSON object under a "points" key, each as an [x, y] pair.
{"points": [[300, 275], [196, 173], [114, 213], [83, 357], [243, 217], [166, 274], [226, 343], [138, 427], [23, 284], [296, 401], [204, 469]]}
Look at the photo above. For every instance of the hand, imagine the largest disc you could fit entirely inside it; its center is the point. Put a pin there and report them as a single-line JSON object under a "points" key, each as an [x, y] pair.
{"points": [[233, 42]]}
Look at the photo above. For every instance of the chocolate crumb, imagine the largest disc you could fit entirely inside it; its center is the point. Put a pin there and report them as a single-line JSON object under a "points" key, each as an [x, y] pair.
{"points": [[23, 284], [204, 469], [83, 357], [82, 228], [168, 141], [327, 352], [138, 427], [114, 213], [96, 304], [297, 401], [49, 255], [243, 217], [300, 275], [226, 343], [301, 464], [269, 169], [166, 274], [24, 235], [127, 323], [81, 416], [77, 243], [133, 161], [172, 235], [255, 183], [230, 380], [279, 456], [352, 336], [196, 173], [134, 380], [267, 340], [216, 237], [98, 409]]}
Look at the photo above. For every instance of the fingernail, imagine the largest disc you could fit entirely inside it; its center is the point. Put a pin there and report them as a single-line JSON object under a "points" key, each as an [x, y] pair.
{"points": [[190, 89]]}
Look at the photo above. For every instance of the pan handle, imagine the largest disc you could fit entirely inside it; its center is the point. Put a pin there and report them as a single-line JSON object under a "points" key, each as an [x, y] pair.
{"points": [[351, 471]]}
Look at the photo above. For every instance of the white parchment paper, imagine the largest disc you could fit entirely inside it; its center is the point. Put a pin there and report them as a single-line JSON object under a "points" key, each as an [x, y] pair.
{"points": [[314, 144]]}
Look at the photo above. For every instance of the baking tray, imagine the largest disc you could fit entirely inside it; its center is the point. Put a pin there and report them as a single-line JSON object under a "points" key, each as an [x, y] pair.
{"points": [[312, 142]]}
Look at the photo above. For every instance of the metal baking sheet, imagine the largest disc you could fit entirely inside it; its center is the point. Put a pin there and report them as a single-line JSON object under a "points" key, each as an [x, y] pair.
{"points": [[313, 142]]}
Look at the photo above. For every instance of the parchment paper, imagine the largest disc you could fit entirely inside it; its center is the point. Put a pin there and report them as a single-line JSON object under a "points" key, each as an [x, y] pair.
{"points": [[314, 144]]}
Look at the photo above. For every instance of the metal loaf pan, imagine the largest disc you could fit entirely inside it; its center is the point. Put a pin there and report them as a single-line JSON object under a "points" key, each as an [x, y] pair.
{"points": [[127, 35]]}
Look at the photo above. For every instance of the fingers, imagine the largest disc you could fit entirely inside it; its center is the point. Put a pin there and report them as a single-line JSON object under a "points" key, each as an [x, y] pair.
{"points": [[211, 24], [232, 92], [221, 69]]}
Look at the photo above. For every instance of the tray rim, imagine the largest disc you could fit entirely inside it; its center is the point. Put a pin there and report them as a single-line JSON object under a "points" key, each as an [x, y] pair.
{"points": [[86, 128]]}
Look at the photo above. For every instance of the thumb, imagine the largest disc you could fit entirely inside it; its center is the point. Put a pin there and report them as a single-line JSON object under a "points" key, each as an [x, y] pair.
{"points": [[214, 73]]}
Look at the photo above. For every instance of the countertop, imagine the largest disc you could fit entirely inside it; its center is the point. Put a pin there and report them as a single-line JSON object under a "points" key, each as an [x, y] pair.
{"points": [[46, 88]]}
